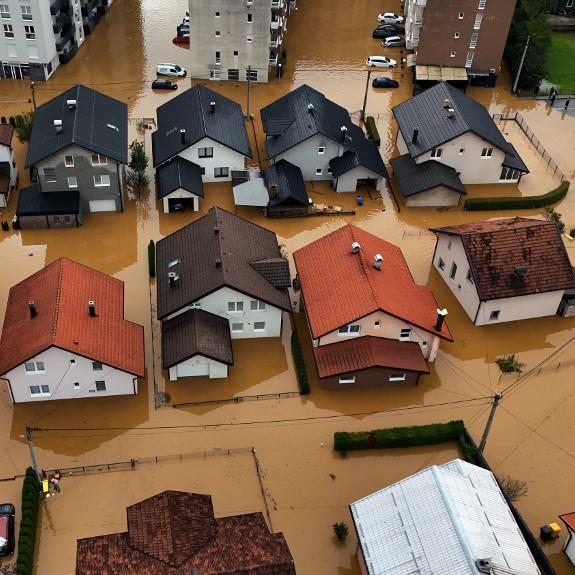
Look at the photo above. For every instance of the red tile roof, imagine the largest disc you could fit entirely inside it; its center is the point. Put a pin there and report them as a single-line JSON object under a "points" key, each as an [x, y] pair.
{"points": [[569, 520], [339, 286], [6, 133], [174, 533], [61, 292], [497, 248], [359, 353]]}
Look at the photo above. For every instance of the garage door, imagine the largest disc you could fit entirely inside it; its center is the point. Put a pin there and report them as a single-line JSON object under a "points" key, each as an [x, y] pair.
{"points": [[195, 370], [103, 206]]}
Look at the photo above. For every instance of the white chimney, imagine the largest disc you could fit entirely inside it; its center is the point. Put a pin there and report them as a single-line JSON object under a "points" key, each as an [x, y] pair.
{"points": [[355, 247], [446, 103], [378, 259], [310, 108], [71, 104], [58, 126], [173, 277], [450, 112]]}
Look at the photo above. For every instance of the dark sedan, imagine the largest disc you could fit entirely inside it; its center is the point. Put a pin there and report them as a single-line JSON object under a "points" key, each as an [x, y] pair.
{"points": [[7, 538], [164, 85], [384, 82], [387, 30]]}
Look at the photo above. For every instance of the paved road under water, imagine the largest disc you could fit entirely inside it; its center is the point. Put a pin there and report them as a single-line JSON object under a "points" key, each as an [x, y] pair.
{"points": [[532, 438]]}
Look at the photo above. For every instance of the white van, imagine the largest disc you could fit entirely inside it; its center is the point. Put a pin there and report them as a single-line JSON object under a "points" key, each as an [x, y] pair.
{"points": [[170, 70], [380, 62]]}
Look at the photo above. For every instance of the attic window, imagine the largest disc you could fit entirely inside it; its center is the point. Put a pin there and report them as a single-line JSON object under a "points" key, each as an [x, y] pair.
{"points": [[173, 263]]}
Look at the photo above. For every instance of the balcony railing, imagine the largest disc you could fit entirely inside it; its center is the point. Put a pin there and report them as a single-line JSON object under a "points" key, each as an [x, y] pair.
{"points": [[277, 4], [276, 24], [273, 61], [422, 3]]}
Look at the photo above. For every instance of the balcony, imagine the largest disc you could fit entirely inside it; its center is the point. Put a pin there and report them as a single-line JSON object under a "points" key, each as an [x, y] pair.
{"points": [[273, 60], [422, 3], [276, 23], [412, 42], [275, 42], [418, 22], [278, 4], [61, 22]]}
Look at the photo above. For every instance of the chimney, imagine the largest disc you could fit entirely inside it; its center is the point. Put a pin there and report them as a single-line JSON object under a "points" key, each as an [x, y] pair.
{"points": [[446, 103], [92, 308], [441, 313], [343, 131], [32, 308], [355, 247], [450, 112], [213, 107], [183, 136], [58, 126], [216, 230], [378, 258], [310, 108], [415, 135], [71, 104], [218, 263], [173, 277]]}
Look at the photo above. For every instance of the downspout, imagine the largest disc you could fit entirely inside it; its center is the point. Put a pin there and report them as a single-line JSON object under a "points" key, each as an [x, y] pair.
{"points": [[121, 186], [10, 388], [135, 385], [477, 312]]}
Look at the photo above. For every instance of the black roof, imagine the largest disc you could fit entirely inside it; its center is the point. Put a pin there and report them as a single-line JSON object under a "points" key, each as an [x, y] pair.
{"points": [[179, 173], [97, 123], [416, 178], [196, 332], [191, 111], [220, 249], [426, 111], [515, 161], [305, 112], [32, 201], [285, 185], [344, 163]]}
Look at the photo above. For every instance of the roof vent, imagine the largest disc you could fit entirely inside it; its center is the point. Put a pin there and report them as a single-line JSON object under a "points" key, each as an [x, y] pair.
{"points": [[310, 108], [446, 103], [58, 126], [415, 135], [32, 309], [213, 107], [71, 104], [218, 263], [112, 127], [450, 112], [92, 308], [484, 565], [441, 313], [216, 230], [378, 259], [343, 131], [183, 136], [173, 277], [355, 247]]}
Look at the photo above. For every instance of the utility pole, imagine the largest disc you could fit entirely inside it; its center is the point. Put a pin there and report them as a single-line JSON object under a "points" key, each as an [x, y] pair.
{"points": [[521, 65], [365, 96], [249, 86], [32, 85], [29, 431], [496, 399]]}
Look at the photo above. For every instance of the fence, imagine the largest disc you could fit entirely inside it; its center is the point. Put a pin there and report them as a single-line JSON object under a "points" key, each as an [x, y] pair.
{"points": [[539, 148], [242, 398]]}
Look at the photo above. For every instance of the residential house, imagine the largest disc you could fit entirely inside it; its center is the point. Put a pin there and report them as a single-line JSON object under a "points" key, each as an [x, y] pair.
{"points": [[179, 185], [563, 7], [176, 533], [206, 129], [318, 136], [469, 35], [446, 519], [227, 267], [505, 270], [232, 40], [569, 547], [444, 126], [65, 336], [8, 169], [79, 147], [370, 323]]}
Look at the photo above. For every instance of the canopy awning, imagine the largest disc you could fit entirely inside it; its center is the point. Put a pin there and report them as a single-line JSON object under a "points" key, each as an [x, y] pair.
{"points": [[439, 73]]}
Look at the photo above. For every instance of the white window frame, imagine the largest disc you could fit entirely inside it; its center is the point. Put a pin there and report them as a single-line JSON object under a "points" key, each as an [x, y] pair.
{"points": [[104, 181], [456, 35], [486, 153], [478, 20], [441, 264], [235, 306], [461, 151], [319, 171], [469, 59], [5, 9], [26, 12], [405, 334], [494, 315], [452, 54], [321, 149], [207, 152], [249, 38], [259, 329], [257, 305], [100, 160], [73, 179], [234, 327], [481, 5], [347, 331], [97, 366], [397, 377], [346, 379], [473, 41], [8, 31], [30, 32], [221, 172], [52, 178], [67, 163], [250, 18], [96, 386], [218, 34], [436, 153], [39, 367], [461, 15], [44, 391], [216, 15]]}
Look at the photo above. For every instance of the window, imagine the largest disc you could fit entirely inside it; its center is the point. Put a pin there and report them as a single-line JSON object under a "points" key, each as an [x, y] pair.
{"points": [[469, 59], [436, 152], [329, 170], [405, 334], [424, 344], [217, 14], [249, 38], [8, 31], [461, 15], [72, 362], [569, 4], [50, 174], [203, 170], [173, 263], [452, 54], [5, 11], [72, 182], [97, 366], [67, 219], [349, 330], [486, 153], [256, 305], [321, 150], [237, 327], [469, 276], [100, 385], [461, 151], [218, 57], [102, 181], [453, 270], [26, 12], [347, 379], [259, 325], [69, 161], [509, 175], [34, 367], [215, 73], [217, 33], [236, 54], [477, 23], [474, 38], [98, 160], [318, 171], [456, 35], [494, 315], [233, 74], [252, 75], [39, 390], [235, 306], [482, 3], [76, 385], [397, 377], [221, 172], [250, 17], [196, 305], [376, 324], [441, 264], [30, 32], [206, 152]]}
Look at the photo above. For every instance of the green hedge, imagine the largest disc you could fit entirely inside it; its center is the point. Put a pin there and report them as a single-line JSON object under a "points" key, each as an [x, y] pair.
{"points": [[300, 370], [372, 132], [521, 203], [152, 258], [27, 535]]}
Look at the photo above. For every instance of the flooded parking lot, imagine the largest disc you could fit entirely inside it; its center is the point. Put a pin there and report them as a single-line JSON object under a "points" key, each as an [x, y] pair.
{"points": [[327, 44]]}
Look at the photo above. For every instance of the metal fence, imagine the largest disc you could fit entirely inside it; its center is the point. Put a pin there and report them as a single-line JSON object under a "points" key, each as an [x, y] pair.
{"points": [[539, 148], [242, 398]]}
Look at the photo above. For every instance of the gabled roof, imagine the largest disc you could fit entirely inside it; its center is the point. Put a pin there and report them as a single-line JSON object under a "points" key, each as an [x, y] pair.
{"points": [[176, 533], [514, 257], [32, 201], [441, 520], [290, 120], [220, 249], [96, 123], [6, 133], [192, 111], [426, 111], [365, 352], [196, 332], [179, 173], [415, 178], [569, 520], [339, 286], [285, 184], [514, 161], [61, 292]]}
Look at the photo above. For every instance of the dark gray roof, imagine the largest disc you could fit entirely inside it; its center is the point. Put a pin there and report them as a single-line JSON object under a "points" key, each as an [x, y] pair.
{"points": [[191, 111], [32, 201], [514, 161], [215, 251], [87, 125], [416, 178], [426, 111], [285, 185], [274, 270], [290, 120], [179, 173], [344, 163], [196, 332]]}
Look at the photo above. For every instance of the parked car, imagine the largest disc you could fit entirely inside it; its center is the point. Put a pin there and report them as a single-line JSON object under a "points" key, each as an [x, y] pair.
{"points": [[394, 42], [7, 539], [380, 62], [386, 31], [167, 69], [384, 82], [184, 39], [390, 18], [164, 85]]}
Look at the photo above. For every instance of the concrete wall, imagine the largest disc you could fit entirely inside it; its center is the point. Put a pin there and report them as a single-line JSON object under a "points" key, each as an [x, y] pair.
{"points": [[180, 194], [348, 182], [216, 369], [84, 173], [60, 375], [438, 196], [373, 377]]}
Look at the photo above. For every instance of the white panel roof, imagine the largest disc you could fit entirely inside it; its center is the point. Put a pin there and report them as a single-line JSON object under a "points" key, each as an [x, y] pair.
{"points": [[439, 522]]}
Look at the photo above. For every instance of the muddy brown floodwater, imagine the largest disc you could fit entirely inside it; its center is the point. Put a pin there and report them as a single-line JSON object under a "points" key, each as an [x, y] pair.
{"points": [[532, 438]]}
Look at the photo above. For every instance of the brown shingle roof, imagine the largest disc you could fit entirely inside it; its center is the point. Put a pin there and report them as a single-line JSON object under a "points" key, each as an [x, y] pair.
{"points": [[215, 251], [368, 351], [514, 257], [6, 133], [174, 532]]}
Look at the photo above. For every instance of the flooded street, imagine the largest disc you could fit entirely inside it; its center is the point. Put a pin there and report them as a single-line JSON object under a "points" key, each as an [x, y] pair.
{"points": [[532, 437]]}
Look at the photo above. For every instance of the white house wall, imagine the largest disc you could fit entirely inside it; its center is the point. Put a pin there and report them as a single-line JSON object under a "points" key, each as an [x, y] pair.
{"points": [[60, 375], [223, 157], [217, 370], [348, 182], [435, 197], [180, 194], [7, 155], [570, 547]]}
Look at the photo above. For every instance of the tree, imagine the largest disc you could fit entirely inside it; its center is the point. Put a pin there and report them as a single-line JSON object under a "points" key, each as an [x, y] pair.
{"points": [[23, 126], [341, 531], [137, 181], [552, 215], [138, 158], [509, 364], [513, 488]]}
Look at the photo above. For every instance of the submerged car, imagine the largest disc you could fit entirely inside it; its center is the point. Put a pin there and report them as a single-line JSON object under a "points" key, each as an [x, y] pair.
{"points": [[390, 18], [164, 85], [394, 42], [384, 82], [387, 30], [7, 539], [380, 62]]}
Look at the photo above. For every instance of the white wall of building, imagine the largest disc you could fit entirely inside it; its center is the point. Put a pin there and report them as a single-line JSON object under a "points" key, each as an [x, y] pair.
{"points": [[570, 547], [7, 155], [180, 194], [348, 182], [223, 157], [438, 196], [189, 368]]}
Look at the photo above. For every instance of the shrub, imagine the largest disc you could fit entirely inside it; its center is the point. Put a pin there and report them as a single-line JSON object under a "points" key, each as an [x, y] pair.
{"points": [[152, 258], [552, 215], [513, 488], [3, 119], [509, 364], [303, 382], [12, 121], [469, 451], [372, 132], [23, 125], [522, 203], [341, 531], [28, 524]]}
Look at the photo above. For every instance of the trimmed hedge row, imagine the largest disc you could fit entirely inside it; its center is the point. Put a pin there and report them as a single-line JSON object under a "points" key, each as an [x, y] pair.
{"points": [[28, 524], [152, 259], [372, 131], [300, 370], [521, 203], [398, 436]]}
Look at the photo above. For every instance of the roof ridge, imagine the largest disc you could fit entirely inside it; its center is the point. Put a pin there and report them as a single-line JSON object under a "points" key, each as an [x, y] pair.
{"points": [[77, 89], [365, 268], [199, 93], [58, 292], [305, 87]]}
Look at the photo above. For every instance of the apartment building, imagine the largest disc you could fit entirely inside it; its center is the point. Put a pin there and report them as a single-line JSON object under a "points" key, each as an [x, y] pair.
{"points": [[468, 34], [234, 39], [36, 36]]}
